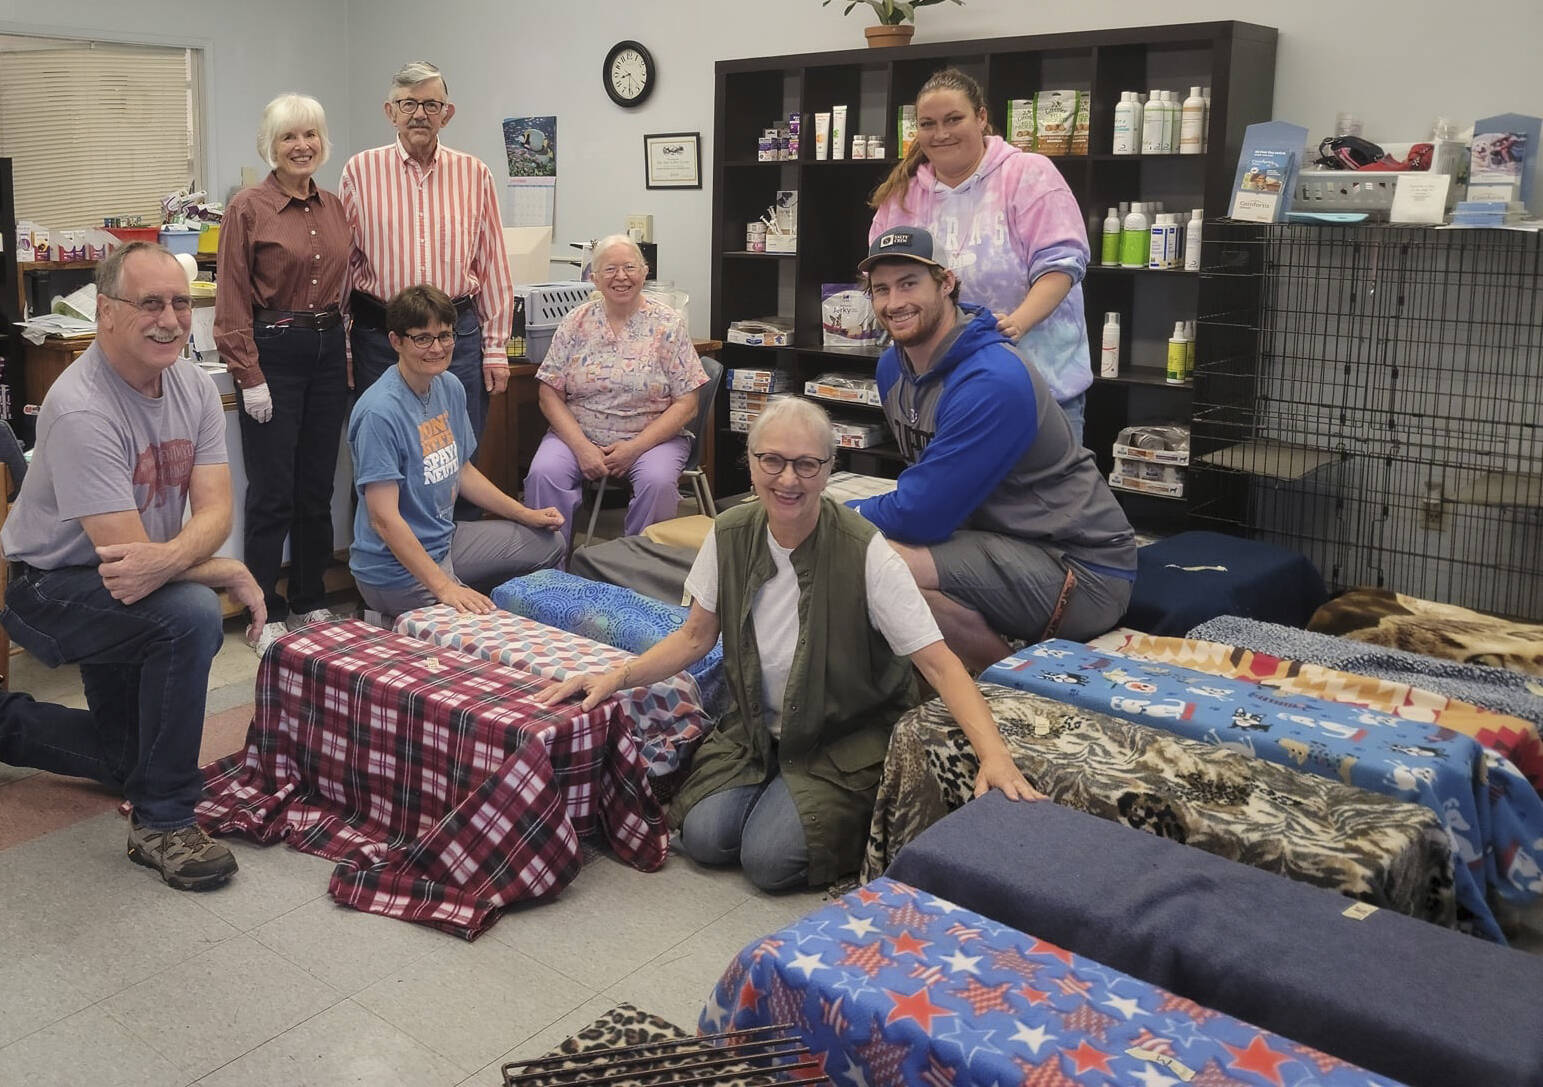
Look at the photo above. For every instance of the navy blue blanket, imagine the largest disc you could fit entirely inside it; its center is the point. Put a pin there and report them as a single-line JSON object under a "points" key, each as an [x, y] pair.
{"points": [[1394, 995]]}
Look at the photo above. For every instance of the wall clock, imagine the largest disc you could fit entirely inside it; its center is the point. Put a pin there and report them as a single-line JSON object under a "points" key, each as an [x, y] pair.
{"points": [[629, 74]]}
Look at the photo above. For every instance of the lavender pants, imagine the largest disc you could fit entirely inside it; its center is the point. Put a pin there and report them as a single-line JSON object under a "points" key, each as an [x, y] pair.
{"points": [[555, 480]]}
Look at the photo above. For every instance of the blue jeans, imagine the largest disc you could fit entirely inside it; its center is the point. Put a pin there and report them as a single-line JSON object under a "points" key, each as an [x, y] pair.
{"points": [[290, 461], [145, 668], [756, 825], [1076, 414]]}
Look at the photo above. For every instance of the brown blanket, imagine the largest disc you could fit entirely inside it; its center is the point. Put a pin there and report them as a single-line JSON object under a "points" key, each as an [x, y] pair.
{"points": [[1381, 617]]}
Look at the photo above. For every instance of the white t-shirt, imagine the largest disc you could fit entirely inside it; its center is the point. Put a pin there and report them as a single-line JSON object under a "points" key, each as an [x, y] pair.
{"points": [[896, 610]]}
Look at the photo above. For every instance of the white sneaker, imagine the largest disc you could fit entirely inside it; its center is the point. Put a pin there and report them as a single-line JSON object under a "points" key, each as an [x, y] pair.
{"points": [[271, 633], [320, 615]]}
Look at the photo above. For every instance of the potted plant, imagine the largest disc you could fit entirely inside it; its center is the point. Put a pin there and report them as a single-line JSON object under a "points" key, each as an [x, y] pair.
{"points": [[897, 19]]}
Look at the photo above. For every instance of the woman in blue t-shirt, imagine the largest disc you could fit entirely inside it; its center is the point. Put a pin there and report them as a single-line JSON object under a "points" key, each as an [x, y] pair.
{"points": [[412, 444]]}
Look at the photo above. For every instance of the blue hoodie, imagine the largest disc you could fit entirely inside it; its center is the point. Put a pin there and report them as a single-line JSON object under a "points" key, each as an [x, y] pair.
{"points": [[989, 449]]}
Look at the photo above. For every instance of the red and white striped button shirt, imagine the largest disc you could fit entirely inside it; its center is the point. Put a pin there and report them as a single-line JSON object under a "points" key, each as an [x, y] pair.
{"points": [[440, 225]]}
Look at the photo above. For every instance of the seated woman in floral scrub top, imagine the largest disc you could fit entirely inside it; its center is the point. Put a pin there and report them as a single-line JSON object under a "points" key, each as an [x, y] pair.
{"points": [[618, 386]]}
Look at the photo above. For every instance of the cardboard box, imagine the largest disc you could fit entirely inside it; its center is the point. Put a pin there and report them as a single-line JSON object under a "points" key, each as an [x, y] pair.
{"points": [[760, 381], [852, 435], [1159, 456], [845, 390]]}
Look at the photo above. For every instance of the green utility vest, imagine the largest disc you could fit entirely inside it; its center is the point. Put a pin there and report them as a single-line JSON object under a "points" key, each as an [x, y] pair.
{"points": [[845, 688]]}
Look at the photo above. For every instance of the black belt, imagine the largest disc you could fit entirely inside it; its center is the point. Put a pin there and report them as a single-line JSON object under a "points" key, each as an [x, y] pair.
{"points": [[369, 311], [319, 320]]}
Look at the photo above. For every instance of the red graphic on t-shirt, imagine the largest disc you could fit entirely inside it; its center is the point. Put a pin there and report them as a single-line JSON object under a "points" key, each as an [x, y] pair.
{"points": [[164, 470]]}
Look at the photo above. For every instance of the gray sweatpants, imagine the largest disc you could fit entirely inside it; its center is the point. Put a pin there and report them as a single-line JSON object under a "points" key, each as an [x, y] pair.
{"points": [[483, 554]]}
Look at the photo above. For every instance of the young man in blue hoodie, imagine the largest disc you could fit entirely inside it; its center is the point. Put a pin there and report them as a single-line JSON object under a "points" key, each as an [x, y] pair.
{"points": [[1002, 516]]}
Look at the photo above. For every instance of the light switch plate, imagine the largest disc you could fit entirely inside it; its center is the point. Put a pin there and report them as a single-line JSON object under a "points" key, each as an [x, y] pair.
{"points": [[645, 223]]}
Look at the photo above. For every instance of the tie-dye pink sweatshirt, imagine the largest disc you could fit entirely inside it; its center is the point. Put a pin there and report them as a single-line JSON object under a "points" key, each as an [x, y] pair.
{"points": [[1002, 228]]}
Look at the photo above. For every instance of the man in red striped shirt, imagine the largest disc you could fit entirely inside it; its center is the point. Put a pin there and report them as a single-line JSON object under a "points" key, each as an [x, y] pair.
{"points": [[422, 213]]}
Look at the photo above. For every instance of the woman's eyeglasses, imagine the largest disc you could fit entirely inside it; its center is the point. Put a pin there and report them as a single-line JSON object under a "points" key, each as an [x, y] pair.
{"points": [[425, 340], [807, 467]]}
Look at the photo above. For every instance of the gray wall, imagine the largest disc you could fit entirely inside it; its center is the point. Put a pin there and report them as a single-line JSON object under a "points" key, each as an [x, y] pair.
{"points": [[1396, 64]]}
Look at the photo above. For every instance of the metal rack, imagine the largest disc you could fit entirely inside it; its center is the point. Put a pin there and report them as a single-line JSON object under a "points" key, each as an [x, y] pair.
{"points": [[1369, 396]]}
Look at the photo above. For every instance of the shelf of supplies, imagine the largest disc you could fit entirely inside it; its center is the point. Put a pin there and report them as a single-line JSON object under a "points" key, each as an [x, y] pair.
{"points": [[24, 266], [1144, 375], [1121, 270], [848, 162], [746, 254], [760, 162]]}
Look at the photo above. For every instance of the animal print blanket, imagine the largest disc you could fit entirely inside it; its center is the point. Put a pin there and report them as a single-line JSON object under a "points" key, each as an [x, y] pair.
{"points": [[1370, 847], [1512, 737], [1382, 617], [644, 1036]]}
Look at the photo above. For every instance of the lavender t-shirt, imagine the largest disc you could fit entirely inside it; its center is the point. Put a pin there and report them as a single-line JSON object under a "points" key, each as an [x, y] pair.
{"points": [[103, 447]]}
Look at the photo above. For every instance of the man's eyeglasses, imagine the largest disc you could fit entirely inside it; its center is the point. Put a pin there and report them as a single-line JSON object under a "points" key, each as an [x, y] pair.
{"points": [[807, 467], [610, 271], [155, 305], [425, 340], [409, 106]]}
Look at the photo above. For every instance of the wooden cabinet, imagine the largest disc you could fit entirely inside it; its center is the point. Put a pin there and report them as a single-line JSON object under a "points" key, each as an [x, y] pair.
{"points": [[44, 362], [1236, 60]]}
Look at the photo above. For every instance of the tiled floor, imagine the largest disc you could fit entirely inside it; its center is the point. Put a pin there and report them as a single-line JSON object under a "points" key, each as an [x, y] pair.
{"points": [[108, 977]]}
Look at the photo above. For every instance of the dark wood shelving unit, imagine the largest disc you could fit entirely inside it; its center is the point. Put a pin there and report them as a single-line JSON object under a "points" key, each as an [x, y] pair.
{"points": [[1236, 60]]}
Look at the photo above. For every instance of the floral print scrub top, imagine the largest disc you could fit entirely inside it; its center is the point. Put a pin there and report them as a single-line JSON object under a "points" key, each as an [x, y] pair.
{"points": [[616, 385]]}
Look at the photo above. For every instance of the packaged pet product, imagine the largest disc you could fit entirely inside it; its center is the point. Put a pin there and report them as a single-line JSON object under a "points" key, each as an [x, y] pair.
{"points": [[1148, 477], [847, 388], [855, 434], [846, 316], [762, 332], [24, 250], [1160, 443], [1055, 116], [760, 381], [1080, 128], [1020, 123]]}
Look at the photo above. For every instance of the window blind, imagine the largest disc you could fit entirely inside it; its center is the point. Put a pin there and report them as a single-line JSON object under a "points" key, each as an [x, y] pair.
{"points": [[96, 129]]}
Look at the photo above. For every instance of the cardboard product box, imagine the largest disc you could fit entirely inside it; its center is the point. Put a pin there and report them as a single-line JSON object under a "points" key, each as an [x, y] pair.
{"points": [[24, 250], [740, 400], [760, 333], [759, 381], [1148, 477], [858, 435], [845, 388], [42, 244]]}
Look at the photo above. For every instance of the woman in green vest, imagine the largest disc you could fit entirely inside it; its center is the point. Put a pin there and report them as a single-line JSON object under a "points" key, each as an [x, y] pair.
{"points": [[821, 623]]}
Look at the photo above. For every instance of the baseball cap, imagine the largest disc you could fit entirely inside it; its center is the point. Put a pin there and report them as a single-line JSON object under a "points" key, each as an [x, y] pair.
{"points": [[901, 243]]}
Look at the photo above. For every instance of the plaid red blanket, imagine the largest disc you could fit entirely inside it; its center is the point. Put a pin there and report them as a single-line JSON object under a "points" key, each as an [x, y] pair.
{"points": [[443, 792]]}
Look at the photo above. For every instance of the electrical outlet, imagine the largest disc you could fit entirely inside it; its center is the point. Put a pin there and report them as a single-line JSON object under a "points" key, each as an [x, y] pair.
{"points": [[643, 223]]}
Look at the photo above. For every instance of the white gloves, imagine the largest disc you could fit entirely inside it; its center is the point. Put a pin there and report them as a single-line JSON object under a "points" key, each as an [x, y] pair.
{"points": [[258, 402]]}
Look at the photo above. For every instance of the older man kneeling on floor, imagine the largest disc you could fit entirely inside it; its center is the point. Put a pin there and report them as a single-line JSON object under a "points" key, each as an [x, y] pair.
{"points": [[819, 615]]}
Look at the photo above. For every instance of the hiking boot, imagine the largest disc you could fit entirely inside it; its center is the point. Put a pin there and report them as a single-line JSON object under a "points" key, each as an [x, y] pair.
{"points": [[187, 858], [320, 615]]}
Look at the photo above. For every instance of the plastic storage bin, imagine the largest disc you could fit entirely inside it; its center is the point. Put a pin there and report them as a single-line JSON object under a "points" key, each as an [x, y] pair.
{"points": [[180, 241]]}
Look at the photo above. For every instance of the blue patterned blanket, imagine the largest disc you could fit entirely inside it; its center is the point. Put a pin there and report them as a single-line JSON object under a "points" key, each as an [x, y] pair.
{"points": [[1492, 815], [610, 614]]}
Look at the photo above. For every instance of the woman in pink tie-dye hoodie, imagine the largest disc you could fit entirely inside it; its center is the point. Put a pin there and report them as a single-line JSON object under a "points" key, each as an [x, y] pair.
{"points": [[1007, 225]]}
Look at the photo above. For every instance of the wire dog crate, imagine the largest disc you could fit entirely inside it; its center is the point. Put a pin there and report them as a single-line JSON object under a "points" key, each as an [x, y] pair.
{"points": [[1370, 397]]}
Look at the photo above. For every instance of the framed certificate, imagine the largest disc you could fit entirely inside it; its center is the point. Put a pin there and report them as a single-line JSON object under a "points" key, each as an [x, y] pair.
{"points": [[673, 160]]}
